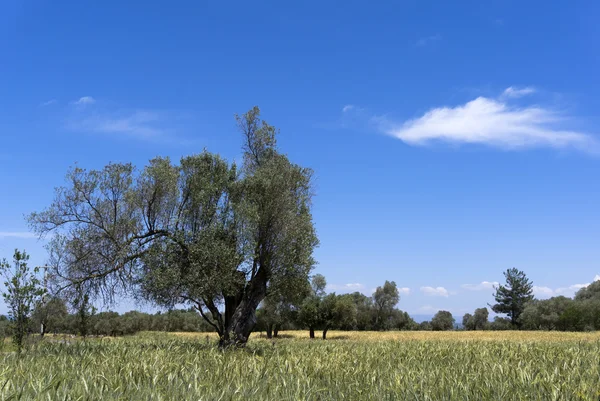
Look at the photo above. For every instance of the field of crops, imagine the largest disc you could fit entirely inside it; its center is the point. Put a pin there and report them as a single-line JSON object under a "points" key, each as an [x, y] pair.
{"points": [[347, 366]]}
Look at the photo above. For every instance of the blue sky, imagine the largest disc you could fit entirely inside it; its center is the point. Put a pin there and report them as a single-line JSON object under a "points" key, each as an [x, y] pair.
{"points": [[450, 140]]}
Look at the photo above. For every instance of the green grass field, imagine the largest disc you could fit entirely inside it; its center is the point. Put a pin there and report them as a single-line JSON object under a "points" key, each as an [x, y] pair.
{"points": [[348, 366]]}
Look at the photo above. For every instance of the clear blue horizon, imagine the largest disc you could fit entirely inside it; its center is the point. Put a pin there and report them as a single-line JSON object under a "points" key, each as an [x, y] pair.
{"points": [[450, 142]]}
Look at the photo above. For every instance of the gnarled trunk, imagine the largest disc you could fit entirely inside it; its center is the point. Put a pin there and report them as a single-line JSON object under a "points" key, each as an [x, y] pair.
{"points": [[243, 319], [269, 331], [325, 334], [275, 331]]}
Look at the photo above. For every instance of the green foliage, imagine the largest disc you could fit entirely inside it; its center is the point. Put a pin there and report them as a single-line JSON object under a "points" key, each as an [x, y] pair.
{"points": [[512, 298], [592, 291], [442, 321], [468, 322], [200, 233], [501, 323], [325, 312], [385, 299], [23, 290], [50, 315], [477, 321]]}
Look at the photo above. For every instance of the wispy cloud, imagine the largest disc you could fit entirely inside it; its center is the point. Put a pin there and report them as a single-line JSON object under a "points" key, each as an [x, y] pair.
{"points": [[492, 122], [347, 108], [84, 101], [350, 287], [514, 92], [484, 285], [428, 40], [17, 234], [140, 124], [435, 291], [48, 103]]}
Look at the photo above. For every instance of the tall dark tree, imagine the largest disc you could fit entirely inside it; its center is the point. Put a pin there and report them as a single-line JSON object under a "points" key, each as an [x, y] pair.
{"points": [[512, 297], [385, 299], [201, 232], [468, 322], [480, 319]]}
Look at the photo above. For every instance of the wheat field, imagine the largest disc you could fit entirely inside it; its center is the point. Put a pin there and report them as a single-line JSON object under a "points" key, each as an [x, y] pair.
{"points": [[347, 366]]}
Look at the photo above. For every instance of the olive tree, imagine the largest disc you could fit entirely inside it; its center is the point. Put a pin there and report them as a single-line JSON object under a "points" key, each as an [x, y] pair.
{"points": [[201, 232]]}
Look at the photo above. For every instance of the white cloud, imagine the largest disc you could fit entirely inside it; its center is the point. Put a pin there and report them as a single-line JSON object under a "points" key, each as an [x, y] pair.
{"points": [[85, 100], [570, 290], [491, 122], [350, 287], [428, 40], [139, 124], [48, 103], [404, 290], [24, 234], [542, 292], [547, 292], [511, 91], [484, 285], [435, 291], [347, 108]]}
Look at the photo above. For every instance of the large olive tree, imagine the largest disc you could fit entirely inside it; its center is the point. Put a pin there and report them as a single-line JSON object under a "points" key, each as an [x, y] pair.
{"points": [[201, 232]]}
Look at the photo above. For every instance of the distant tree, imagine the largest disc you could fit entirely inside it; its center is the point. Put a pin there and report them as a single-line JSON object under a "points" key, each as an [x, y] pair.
{"points": [[22, 290], [310, 313], [402, 321], [592, 291], [336, 311], [545, 314], [425, 326], [385, 299], [501, 323], [468, 322], [480, 319], [50, 315], [84, 312], [442, 320], [512, 297], [365, 312]]}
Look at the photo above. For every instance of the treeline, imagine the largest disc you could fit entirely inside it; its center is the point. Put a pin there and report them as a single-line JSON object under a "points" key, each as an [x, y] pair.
{"points": [[311, 308], [516, 300], [53, 317], [321, 311]]}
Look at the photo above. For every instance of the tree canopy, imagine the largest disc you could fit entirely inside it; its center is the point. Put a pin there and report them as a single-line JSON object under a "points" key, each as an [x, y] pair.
{"points": [[512, 297], [201, 232]]}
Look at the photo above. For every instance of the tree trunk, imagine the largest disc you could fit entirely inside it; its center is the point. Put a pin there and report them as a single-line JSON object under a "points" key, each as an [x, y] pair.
{"points": [[312, 332], [275, 331], [325, 334], [243, 319], [269, 331]]}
